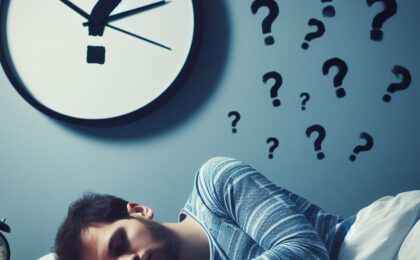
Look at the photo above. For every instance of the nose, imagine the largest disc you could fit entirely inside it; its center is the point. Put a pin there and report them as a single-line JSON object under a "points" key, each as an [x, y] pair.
{"points": [[130, 257], [136, 257]]}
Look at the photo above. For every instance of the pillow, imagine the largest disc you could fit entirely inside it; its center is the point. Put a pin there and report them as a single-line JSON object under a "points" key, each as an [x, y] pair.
{"points": [[410, 248], [380, 228]]}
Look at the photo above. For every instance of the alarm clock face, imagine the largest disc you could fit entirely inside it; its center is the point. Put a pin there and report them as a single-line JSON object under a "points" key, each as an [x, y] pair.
{"points": [[94, 60], [4, 248]]}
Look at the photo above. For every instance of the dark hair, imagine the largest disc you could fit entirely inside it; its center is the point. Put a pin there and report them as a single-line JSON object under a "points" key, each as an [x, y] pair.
{"points": [[91, 208]]}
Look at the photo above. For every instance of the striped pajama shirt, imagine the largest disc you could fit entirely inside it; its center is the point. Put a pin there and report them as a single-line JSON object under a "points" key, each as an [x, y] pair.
{"points": [[246, 216]]}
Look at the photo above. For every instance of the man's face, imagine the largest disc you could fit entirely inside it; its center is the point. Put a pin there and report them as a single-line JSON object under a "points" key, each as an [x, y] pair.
{"points": [[133, 239]]}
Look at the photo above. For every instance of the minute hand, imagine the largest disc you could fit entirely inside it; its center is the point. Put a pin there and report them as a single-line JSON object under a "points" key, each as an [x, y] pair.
{"points": [[75, 8], [130, 12]]}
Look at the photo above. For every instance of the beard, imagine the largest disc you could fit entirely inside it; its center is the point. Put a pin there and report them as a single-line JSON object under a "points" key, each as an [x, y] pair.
{"points": [[166, 238]]}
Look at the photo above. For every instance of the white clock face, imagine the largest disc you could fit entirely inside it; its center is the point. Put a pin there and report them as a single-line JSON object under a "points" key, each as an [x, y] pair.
{"points": [[144, 53]]}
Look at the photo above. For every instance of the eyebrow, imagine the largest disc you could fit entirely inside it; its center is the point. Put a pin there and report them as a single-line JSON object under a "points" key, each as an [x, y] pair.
{"points": [[117, 241]]}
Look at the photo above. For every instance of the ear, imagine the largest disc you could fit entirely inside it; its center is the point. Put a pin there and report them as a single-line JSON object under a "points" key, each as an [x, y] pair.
{"points": [[137, 210]]}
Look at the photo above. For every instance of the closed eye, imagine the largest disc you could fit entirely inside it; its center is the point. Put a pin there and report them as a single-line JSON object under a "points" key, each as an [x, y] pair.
{"points": [[118, 244]]}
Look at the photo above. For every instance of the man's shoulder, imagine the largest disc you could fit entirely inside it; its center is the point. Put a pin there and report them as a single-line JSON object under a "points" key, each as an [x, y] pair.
{"points": [[217, 168], [217, 173], [206, 191]]}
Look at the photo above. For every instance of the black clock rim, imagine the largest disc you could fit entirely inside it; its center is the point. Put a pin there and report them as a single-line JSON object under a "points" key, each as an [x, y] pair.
{"points": [[7, 246], [142, 112]]}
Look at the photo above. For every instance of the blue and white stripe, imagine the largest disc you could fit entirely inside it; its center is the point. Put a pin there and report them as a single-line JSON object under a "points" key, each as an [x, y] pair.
{"points": [[248, 217]]}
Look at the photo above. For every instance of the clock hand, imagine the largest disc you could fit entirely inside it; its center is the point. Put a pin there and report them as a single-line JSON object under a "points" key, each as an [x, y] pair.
{"points": [[138, 36], [147, 7], [76, 8], [131, 12]]}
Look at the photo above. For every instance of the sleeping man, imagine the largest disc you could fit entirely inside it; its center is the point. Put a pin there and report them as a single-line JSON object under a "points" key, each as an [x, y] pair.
{"points": [[233, 212]]}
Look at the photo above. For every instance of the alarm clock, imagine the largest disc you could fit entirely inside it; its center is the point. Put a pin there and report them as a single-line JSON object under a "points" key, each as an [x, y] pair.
{"points": [[97, 61], [4, 245]]}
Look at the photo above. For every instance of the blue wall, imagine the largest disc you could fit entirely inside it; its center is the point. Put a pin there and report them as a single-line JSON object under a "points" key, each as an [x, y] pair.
{"points": [[45, 164]]}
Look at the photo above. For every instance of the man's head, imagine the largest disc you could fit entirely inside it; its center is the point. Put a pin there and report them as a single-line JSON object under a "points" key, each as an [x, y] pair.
{"points": [[104, 227]]}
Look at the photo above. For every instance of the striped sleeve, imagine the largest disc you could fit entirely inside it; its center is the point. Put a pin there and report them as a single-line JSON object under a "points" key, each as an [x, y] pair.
{"points": [[237, 192]]}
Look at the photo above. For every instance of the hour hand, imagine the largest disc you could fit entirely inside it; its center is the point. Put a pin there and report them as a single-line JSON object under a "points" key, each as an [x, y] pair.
{"points": [[76, 8], [133, 11]]}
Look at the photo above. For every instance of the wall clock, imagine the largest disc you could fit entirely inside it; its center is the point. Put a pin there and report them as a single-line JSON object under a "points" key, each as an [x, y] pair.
{"points": [[96, 62], [4, 245]]}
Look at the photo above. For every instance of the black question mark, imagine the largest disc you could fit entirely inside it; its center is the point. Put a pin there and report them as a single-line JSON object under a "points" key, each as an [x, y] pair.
{"points": [[321, 136], [391, 7], [306, 99], [406, 81], [268, 21], [275, 88], [235, 121], [318, 33], [338, 79], [101, 10], [328, 11], [361, 148], [272, 147]]}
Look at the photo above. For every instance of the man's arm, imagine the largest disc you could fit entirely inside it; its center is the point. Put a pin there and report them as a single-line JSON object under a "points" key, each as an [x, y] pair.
{"points": [[260, 209]]}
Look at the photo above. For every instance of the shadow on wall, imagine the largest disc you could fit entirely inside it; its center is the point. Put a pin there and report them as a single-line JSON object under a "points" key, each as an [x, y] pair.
{"points": [[194, 91]]}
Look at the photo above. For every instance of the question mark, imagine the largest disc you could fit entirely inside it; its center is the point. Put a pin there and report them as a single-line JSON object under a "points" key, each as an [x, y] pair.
{"points": [[406, 81], [319, 139], [361, 148], [318, 33], [268, 21], [235, 121], [307, 97], [275, 88], [101, 10], [338, 79], [273, 146], [328, 11], [390, 9]]}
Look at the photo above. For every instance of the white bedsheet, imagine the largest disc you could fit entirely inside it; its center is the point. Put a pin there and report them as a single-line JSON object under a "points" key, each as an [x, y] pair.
{"points": [[386, 229]]}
